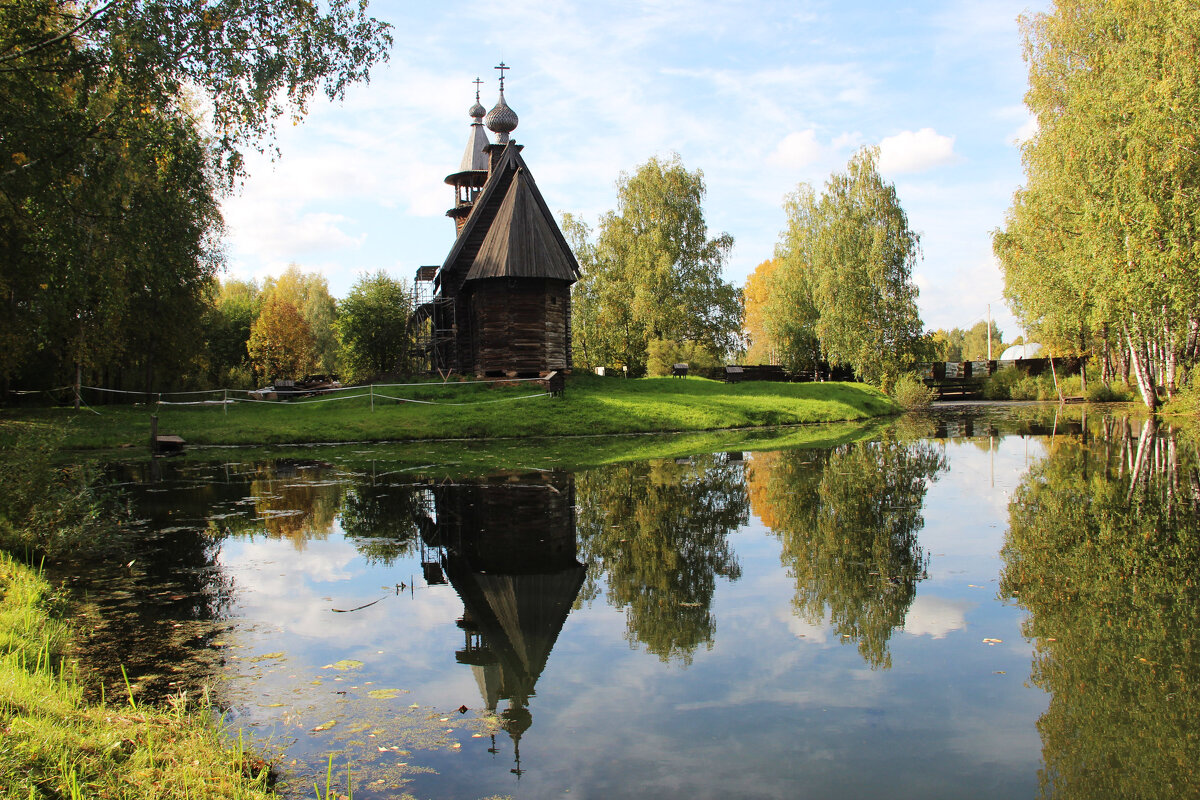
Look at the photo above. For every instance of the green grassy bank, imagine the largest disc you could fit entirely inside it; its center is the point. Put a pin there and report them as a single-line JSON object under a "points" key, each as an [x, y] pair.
{"points": [[55, 744], [591, 405]]}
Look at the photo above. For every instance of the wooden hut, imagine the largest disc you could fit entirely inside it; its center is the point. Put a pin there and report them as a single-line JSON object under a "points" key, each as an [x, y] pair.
{"points": [[500, 304]]}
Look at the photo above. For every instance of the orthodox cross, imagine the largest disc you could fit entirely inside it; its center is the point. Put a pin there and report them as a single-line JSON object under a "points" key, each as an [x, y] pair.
{"points": [[477, 82], [502, 68]]}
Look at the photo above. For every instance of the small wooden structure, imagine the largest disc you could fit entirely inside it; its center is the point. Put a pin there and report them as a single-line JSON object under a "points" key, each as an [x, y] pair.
{"points": [[679, 370], [965, 379], [163, 444]]}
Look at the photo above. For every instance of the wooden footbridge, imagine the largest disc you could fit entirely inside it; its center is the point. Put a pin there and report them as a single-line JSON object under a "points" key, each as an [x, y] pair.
{"points": [[964, 380]]}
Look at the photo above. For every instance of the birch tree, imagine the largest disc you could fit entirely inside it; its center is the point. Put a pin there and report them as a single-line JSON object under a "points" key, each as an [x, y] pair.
{"points": [[1106, 232], [845, 280]]}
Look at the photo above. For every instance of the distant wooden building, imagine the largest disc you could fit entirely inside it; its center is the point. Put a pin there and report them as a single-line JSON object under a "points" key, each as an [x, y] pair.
{"points": [[500, 305]]}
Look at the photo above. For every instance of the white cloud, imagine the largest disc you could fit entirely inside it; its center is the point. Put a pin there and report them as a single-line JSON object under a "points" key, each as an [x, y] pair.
{"points": [[916, 151], [798, 149], [935, 616]]}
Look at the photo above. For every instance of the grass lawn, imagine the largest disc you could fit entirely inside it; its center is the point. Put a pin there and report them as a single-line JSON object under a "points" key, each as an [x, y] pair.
{"points": [[591, 405]]}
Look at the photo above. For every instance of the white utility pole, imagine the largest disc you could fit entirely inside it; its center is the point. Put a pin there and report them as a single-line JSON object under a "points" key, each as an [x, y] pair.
{"points": [[989, 331]]}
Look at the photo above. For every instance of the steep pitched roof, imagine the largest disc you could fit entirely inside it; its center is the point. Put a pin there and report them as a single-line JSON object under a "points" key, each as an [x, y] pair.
{"points": [[523, 240], [510, 232]]}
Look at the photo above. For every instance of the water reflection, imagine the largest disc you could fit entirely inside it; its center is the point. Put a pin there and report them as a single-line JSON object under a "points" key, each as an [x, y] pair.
{"points": [[1104, 551], [848, 520], [656, 534], [539, 595], [509, 550]]}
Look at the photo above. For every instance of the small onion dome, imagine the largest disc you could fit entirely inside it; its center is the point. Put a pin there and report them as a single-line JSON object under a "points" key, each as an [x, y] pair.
{"points": [[501, 120], [477, 111]]}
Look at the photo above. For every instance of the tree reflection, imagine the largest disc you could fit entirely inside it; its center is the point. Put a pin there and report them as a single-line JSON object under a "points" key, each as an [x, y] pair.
{"points": [[1103, 549], [657, 531], [296, 500], [383, 521], [848, 520]]}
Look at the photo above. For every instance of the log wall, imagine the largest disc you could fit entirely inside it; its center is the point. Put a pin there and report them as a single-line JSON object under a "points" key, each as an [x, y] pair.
{"points": [[519, 327]]}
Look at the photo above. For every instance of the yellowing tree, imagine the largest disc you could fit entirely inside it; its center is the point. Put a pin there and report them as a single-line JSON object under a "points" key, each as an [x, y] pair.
{"points": [[309, 293], [762, 349], [281, 342]]}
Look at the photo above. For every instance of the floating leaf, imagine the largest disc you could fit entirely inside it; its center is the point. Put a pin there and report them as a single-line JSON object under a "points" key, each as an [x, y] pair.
{"points": [[384, 694], [344, 664], [326, 726]]}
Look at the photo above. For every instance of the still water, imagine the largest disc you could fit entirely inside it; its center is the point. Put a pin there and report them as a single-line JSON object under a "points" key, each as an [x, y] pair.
{"points": [[980, 603]]}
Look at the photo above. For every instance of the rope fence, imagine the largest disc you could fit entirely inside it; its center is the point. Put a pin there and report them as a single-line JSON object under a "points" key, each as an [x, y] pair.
{"points": [[225, 397]]}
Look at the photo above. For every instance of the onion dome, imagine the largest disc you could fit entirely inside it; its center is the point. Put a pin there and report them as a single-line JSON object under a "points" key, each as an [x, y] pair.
{"points": [[501, 120], [477, 111]]}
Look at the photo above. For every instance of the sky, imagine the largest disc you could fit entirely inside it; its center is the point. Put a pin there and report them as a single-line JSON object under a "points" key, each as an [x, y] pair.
{"points": [[759, 96]]}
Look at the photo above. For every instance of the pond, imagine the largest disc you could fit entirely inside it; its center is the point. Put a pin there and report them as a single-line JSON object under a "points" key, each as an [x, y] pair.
{"points": [[980, 602]]}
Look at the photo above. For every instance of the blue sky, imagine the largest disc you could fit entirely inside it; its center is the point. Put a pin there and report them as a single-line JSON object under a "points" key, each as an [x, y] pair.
{"points": [[759, 95]]}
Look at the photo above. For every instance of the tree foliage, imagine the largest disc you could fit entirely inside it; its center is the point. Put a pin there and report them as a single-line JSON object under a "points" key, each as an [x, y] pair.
{"points": [[109, 176], [227, 325], [1103, 238], [1102, 550], [309, 293], [970, 344], [281, 341], [372, 326], [843, 290], [653, 273]]}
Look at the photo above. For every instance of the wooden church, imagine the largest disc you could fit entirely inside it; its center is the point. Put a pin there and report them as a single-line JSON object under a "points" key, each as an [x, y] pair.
{"points": [[500, 305]]}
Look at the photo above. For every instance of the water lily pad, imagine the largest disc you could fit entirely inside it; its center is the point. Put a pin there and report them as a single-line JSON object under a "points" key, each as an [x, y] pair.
{"points": [[345, 663], [384, 694]]}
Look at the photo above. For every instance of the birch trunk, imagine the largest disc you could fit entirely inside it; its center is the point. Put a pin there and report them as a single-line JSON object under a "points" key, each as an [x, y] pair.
{"points": [[1139, 361], [1168, 355]]}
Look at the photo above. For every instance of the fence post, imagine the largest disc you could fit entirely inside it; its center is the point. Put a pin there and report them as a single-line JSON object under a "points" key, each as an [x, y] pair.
{"points": [[225, 400], [372, 397]]}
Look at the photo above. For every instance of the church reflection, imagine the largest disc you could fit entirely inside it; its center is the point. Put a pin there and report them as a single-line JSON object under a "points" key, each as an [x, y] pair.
{"points": [[507, 545]]}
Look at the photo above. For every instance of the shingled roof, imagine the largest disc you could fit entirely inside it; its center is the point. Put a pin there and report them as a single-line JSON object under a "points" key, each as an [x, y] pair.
{"points": [[511, 232]]}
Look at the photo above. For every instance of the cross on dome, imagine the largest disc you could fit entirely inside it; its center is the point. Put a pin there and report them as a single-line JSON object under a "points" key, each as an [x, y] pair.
{"points": [[501, 120]]}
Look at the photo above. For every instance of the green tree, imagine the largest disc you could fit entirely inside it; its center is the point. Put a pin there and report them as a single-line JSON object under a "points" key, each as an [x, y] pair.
{"points": [[1103, 236], [251, 62], [108, 217], [653, 272], [372, 326], [790, 316], [957, 344], [227, 325], [845, 280], [107, 253]]}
